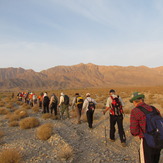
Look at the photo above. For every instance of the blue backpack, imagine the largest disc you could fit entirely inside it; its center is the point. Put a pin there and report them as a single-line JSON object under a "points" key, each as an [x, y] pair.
{"points": [[154, 128]]}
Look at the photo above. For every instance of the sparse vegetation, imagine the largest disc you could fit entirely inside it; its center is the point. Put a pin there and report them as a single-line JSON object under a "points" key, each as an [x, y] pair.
{"points": [[2, 104], [14, 117], [3, 111], [65, 152], [13, 123], [46, 116], [10, 156], [44, 132], [36, 109], [29, 122], [22, 113], [1, 134]]}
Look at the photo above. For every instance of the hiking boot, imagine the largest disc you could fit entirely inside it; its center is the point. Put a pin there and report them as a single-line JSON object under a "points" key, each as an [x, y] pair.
{"points": [[112, 140], [123, 144]]}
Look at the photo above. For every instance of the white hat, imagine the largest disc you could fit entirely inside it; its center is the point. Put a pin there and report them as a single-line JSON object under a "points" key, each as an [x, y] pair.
{"points": [[88, 94]]}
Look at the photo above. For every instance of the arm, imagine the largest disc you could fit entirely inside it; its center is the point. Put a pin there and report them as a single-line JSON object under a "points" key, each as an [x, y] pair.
{"points": [[134, 124], [85, 105], [108, 105], [51, 99], [61, 100], [74, 101]]}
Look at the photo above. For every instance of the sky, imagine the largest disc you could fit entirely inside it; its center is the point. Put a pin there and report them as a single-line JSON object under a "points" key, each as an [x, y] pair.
{"points": [[40, 34]]}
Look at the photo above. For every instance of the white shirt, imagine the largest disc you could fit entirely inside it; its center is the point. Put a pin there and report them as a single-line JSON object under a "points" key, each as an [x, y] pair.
{"points": [[61, 100], [86, 103]]}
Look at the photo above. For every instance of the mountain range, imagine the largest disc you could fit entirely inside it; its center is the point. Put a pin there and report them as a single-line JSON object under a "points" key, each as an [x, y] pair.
{"points": [[80, 76]]}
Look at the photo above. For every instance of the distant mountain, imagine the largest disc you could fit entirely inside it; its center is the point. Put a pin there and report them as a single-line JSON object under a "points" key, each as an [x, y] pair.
{"points": [[80, 76]]}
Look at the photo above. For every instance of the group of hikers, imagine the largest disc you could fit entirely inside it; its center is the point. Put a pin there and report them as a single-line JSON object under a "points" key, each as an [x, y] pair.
{"points": [[145, 120]]}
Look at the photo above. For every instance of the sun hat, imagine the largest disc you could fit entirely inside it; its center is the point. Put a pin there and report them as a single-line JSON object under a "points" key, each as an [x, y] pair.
{"points": [[88, 94], [135, 96]]}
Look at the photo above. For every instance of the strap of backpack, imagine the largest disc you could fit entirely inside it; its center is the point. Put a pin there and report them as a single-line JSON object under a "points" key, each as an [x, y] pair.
{"points": [[145, 111]]}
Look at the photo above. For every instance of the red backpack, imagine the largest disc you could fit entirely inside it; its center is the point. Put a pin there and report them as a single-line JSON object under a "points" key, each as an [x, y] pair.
{"points": [[116, 108]]}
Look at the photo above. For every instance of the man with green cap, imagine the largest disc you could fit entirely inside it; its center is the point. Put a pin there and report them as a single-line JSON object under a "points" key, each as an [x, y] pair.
{"points": [[138, 128]]}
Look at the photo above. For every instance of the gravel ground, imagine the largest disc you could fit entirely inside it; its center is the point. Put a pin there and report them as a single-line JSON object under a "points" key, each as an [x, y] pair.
{"points": [[88, 145]]}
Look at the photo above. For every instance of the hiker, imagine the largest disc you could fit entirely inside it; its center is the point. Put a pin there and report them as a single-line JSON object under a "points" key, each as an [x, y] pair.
{"points": [[53, 104], [138, 128], [31, 99], [40, 98], [26, 98], [78, 103], [34, 98], [45, 103], [64, 105], [115, 105], [89, 107], [12, 95]]}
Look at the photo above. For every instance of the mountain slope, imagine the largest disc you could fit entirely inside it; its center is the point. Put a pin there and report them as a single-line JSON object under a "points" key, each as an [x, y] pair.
{"points": [[81, 75]]}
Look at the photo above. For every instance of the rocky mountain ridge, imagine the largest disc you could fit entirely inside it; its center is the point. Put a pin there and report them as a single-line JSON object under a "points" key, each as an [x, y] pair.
{"points": [[80, 76]]}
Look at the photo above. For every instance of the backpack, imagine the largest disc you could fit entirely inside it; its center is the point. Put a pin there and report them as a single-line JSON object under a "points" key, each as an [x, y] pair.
{"points": [[66, 100], [91, 105], [55, 101], [116, 108], [79, 100], [46, 100], [154, 128]]}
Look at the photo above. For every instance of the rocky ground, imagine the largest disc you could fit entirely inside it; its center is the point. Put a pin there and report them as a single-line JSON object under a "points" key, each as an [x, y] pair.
{"points": [[87, 145]]}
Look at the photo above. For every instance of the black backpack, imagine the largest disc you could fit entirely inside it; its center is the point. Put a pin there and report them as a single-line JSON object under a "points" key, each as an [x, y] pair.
{"points": [[55, 101], [91, 105], [66, 100], [46, 100]]}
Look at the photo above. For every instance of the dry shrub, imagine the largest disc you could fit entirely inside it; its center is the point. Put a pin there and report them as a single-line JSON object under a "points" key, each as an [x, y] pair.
{"points": [[7, 99], [100, 106], [1, 134], [44, 132], [10, 105], [46, 116], [2, 104], [27, 107], [29, 122], [36, 109], [13, 124], [54, 117], [127, 111], [19, 102], [65, 152], [7, 116], [22, 113], [13, 117], [10, 156], [3, 111]]}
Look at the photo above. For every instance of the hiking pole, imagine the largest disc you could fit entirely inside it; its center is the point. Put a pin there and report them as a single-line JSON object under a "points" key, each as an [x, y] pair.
{"points": [[105, 127], [60, 114], [105, 136]]}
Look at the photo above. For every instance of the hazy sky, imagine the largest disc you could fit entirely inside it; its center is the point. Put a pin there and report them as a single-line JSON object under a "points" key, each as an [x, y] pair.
{"points": [[39, 34]]}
